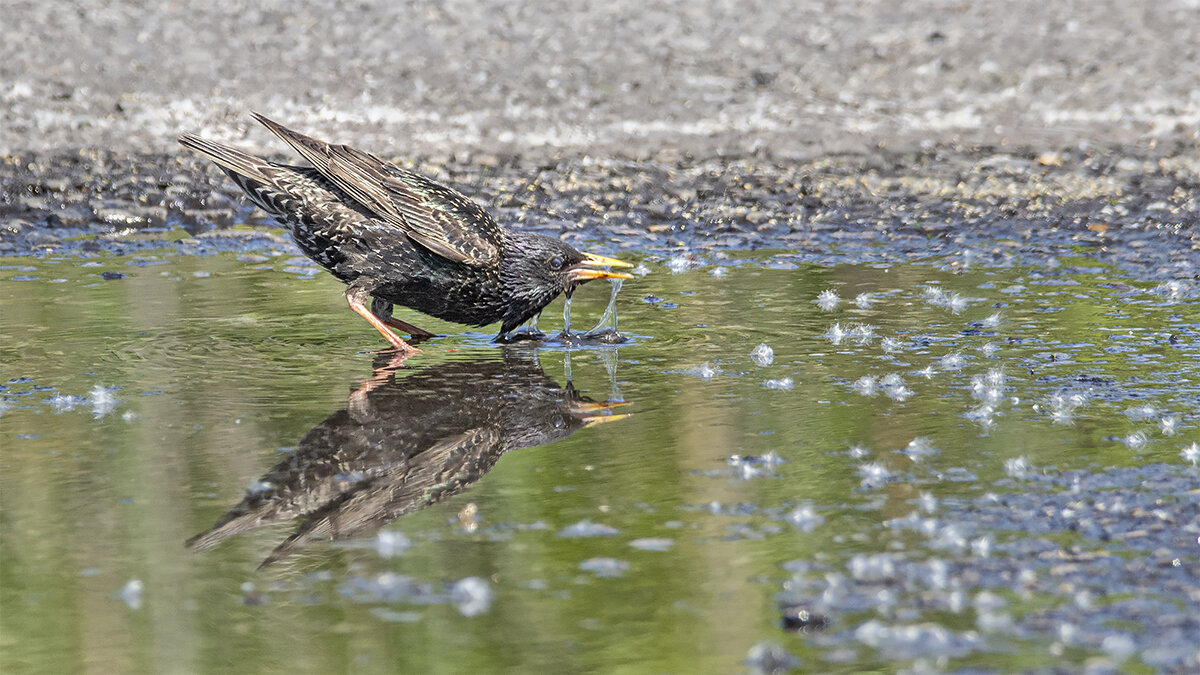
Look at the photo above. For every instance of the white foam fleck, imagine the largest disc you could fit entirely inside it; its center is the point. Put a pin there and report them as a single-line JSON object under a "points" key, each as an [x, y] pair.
{"points": [[472, 596], [828, 300], [763, 355]]}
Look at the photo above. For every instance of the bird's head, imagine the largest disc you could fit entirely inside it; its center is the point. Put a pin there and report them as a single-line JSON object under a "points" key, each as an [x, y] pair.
{"points": [[536, 268]]}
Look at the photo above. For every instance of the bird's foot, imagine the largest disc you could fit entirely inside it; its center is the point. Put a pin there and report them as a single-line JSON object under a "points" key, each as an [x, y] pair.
{"points": [[356, 295], [519, 335], [400, 349]]}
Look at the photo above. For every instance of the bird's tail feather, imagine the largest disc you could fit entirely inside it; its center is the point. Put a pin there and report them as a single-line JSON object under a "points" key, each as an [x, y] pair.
{"points": [[230, 158]]}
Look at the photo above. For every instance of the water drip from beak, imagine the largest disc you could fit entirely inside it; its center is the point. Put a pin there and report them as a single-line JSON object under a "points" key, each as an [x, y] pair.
{"points": [[606, 328]]}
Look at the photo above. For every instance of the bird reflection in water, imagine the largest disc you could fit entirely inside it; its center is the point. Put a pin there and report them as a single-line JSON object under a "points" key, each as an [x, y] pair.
{"points": [[403, 443]]}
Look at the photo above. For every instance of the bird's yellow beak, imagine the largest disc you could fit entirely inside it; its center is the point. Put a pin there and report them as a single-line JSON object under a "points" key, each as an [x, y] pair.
{"points": [[585, 271]]}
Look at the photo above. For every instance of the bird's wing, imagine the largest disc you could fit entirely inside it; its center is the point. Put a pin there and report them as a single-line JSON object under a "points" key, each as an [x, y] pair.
{"points": [[432, 215]]}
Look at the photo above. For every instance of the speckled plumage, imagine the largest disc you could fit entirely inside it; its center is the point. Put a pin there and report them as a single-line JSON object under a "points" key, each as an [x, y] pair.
{"points": [[398, 238]]}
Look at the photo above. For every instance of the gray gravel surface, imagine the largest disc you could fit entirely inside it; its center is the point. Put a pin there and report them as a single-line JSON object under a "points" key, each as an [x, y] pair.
{"points": [[614, 79]]}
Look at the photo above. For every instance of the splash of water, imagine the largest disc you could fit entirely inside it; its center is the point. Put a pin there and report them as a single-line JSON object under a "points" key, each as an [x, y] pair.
{"points": [[605, 331], [608, 320]]}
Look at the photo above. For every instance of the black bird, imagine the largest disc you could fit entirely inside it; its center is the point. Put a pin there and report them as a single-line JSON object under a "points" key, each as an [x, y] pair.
{"points": [[403, 443], [398, 238]]}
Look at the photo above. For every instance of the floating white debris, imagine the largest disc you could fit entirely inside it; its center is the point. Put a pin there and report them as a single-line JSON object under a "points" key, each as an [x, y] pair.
{"points": [[784, 383], [1135, 440], [863, 333], [65, 403], [984, 415], [1062, 416], [1119, 646], [992, 321], [1172, 291], [656, 544], [804, 518], [1017, 467], [934, 295], [1142, 412], [988, 388], [131, 594], [828, 300], [874, 567], [681, 263], [858, 451], [919, 448], [752, 466], [718, 271], [874, 474], [1062, 407], [763, 355], [389, 543], [891, 345], [956, 303], [1168, 425], [472, 596], [1191, 453], [989, 349], [982, 547], [604, 567], [894, 388], [586, 528], [865, 385], [641, 270], [864, 300], [835, 334], [705, 371], [103, 400], [953, 361]]}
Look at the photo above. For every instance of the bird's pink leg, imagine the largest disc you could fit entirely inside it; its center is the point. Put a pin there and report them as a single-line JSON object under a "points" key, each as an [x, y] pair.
{"points": [[355, 297], [383, 309], [408, 328]]}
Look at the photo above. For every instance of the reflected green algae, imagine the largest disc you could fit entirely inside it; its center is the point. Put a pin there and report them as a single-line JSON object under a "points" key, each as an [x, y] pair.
{"points": [[222, 365]]}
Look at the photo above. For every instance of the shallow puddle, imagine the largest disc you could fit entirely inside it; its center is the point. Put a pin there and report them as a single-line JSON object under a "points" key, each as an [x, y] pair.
{"points": [[855, 467]]}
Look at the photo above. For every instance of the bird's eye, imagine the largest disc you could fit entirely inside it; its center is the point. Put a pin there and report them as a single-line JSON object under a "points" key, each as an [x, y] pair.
{"points": [[556, 263]]}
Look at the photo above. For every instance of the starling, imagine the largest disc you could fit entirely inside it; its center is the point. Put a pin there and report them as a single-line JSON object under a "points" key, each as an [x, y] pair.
{"points": [[395, 237]]}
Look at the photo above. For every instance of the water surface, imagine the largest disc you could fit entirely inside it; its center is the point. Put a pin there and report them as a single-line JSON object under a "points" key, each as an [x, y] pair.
{"points": [[465, 512]]}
